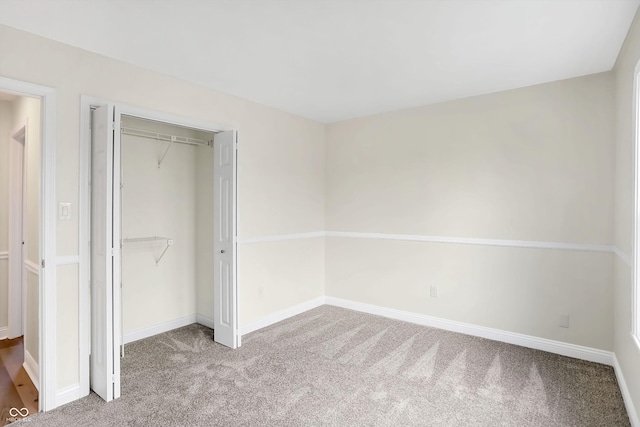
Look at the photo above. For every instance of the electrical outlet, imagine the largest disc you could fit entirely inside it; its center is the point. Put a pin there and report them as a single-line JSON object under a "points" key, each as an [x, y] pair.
{"points": [[433, 291], [563, 321]]}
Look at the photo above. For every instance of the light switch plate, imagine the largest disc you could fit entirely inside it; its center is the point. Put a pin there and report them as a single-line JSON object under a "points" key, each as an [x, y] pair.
{"points": [[64, 211]]}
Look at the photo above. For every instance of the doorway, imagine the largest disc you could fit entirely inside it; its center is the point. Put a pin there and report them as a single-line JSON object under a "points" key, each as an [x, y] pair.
{"points": [[153, 231], [45, 260], [26, 141]]}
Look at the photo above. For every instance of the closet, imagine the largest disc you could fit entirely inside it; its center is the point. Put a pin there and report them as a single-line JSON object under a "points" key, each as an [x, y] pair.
{"points": [[167, 218]]}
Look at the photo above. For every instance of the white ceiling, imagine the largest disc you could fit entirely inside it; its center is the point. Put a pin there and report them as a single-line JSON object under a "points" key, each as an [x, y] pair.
{"points": [[332, 60]]}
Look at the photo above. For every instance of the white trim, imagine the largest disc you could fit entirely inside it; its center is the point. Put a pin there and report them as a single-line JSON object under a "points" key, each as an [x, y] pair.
{"points": [[566, 246], [159, 328], [47, 284], [203, 320], [551, 346], [281, 315], [476, 241], [4, 255], [68, 394], [159, 116], [280, 237], [84, 247], [4, 333], [623, 256], [635, 284], [31, 366], [68, 260], [626, 396], [32, 267]]}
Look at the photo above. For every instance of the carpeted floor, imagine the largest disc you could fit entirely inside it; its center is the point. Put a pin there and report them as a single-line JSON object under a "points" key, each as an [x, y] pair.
{"points": [[336, 367]]}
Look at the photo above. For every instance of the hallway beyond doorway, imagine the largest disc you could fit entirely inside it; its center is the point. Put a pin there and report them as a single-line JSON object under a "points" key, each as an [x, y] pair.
{"points": [[17, 391]]}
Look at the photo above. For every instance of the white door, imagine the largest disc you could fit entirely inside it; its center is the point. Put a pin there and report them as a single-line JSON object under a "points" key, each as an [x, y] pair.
{"points": [[105, 328], [16, 234], [224, 294]]}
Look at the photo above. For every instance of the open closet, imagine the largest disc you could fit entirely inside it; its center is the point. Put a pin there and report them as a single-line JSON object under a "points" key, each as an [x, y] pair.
{"points": [[167, 211], [162, 233]]}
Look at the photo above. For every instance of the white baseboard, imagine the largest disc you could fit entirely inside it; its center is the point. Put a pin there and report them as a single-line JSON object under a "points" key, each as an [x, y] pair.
{"points": [[159, 328], [626, 396], [4, 333], [68, 394], [557, 347], [282, 315], [31, 366], [203, 320]]}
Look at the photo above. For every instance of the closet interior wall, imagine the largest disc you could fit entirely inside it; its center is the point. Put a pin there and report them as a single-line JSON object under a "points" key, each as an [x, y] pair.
{"points": [[172, 200]]}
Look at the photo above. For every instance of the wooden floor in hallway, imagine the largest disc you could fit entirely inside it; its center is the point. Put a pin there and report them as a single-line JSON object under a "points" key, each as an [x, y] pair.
{"points": [[16, 388]]}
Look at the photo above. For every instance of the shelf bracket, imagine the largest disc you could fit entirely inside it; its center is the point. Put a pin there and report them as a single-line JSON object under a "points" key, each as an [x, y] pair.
{"points": [[169, 243], [150, 241], [173, 139]]}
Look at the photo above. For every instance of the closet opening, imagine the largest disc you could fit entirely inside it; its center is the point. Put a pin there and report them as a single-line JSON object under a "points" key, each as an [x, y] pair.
{"points": [[167, 222], [163, 235]]}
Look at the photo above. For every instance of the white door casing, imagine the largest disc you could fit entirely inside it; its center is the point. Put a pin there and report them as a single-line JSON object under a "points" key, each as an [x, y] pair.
{"points": [[47, 286], [105, 331], [225, 295]]}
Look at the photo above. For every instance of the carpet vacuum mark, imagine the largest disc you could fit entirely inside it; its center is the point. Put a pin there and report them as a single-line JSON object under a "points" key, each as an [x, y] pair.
{"points": [[336, 367]]}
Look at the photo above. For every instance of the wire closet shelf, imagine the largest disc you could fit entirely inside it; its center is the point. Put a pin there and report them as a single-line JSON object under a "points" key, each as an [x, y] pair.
{"points": [[165, 137], [150, 241]]}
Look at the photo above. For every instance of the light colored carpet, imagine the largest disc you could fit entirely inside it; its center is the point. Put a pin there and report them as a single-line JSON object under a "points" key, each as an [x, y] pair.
{"points": [[336, 367]]}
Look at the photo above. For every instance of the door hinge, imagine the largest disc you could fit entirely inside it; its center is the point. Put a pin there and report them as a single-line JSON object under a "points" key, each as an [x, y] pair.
{"points": [[42, 263], [113, 378], [113, 251]]}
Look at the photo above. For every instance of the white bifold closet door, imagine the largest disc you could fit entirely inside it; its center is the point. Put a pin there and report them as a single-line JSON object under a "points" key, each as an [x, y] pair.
{"points": [[224, 282], [105, 263]]}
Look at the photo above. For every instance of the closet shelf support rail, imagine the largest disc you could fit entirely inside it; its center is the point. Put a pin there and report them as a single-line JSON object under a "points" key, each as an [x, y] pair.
{"points": [[150, 241], [164, 136]]}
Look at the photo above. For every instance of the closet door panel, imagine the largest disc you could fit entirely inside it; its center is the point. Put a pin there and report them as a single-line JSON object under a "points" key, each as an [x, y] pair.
{"points": [[225, 310], [104, 334]]}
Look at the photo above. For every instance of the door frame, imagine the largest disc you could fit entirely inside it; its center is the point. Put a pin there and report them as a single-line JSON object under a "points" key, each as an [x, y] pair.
{"points": [[47, 285], [87, 103]]}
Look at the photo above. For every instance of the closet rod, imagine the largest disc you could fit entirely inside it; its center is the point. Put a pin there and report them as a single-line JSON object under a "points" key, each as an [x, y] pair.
{"points": [[164, 137]]}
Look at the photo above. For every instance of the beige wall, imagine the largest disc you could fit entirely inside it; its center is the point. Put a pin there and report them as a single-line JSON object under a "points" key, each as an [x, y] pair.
{"points": [[204, 234], [626, 351], [528, 164], [280, 167], [5, 130]]}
